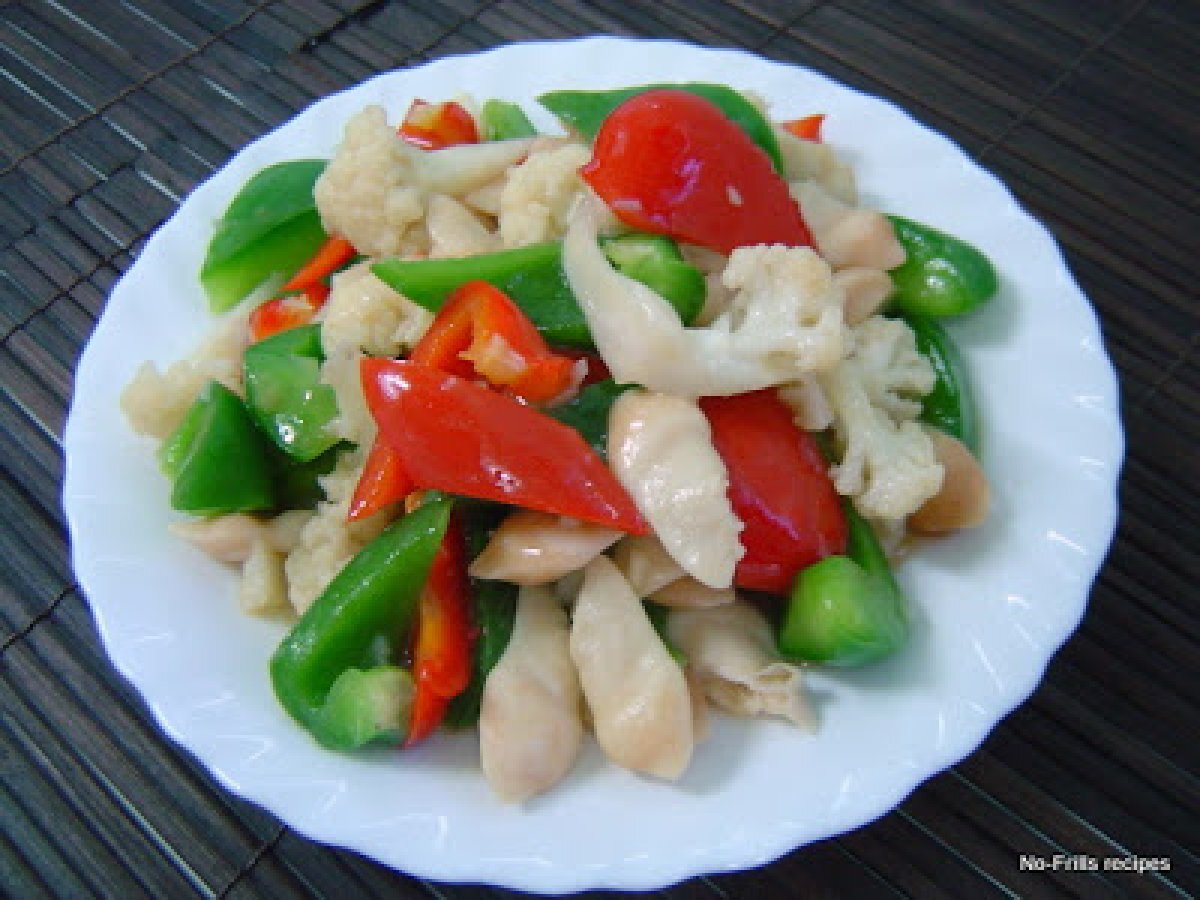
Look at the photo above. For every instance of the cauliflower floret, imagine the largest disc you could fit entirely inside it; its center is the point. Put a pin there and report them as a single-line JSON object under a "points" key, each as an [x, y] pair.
{"points": [[353, 421], [369, 192], [327, 541], [375, 189], [486, 200], [363, 314], [809, 405], [456, 231], [889, 466], [785, 302], [155, 402], [784, 320], [539, 193], [894, 374]]}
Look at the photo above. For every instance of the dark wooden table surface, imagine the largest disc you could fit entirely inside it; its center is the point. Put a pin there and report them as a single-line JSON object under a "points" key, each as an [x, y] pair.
{"points": [[110, 112]]}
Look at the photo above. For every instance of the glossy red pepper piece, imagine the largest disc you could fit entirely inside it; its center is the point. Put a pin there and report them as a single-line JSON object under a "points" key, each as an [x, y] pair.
{"points": [[673, 163], [288, 311], [330, 256], [460, 437], [597, 368], [779, 486], [432, 126], [807, 128], [383, 481], [442, 649], [480, 331]]}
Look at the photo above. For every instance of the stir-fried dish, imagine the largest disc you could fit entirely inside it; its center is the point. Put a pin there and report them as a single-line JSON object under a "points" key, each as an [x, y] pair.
{"points": [[554, 434]]}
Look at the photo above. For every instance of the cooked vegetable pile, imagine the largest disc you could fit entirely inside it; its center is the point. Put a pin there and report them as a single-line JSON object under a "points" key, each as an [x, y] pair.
{"points": [[544, 434]]}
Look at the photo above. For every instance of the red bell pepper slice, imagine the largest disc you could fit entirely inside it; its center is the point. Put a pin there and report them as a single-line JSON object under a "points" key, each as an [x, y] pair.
{"points": [[432, 126], [442, 649], [383, 481], [807, 128], [597, 368], [481, 331], [779, 487], [463, 438], [673, 163], [330, 256], [288, 311]]}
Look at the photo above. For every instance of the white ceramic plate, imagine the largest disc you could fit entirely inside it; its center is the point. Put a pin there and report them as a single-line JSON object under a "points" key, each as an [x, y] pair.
{"points": [[991, 606]]}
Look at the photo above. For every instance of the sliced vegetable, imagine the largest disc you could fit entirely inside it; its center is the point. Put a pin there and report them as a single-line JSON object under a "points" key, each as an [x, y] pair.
{"points": [[950, 406], [330, 256], [297, 484], [217, 460], [434, 126], [942, 275], [494, 605], [463, 438], [780, 489], [480, 331], [287, 311], [365, 706], [596, 369], [846, 610], [270, 228], [655, 261], [587, 412], [672, 163], [442, 650], [493, 610], [807, 128], [500, 120], [383, 482], [357, 624], [531, 276], [585, 111], [285, 393]]}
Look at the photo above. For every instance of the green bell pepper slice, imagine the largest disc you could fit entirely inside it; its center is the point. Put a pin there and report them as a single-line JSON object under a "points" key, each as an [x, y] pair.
{"points": [[655, 261], [500, 120], [533, 278], [335, 672], [950, 406], [271, 228], [846, 610], [217, 460], [585, 111], [365, 706], [285, 393], [942, 275], [297, 484]]}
